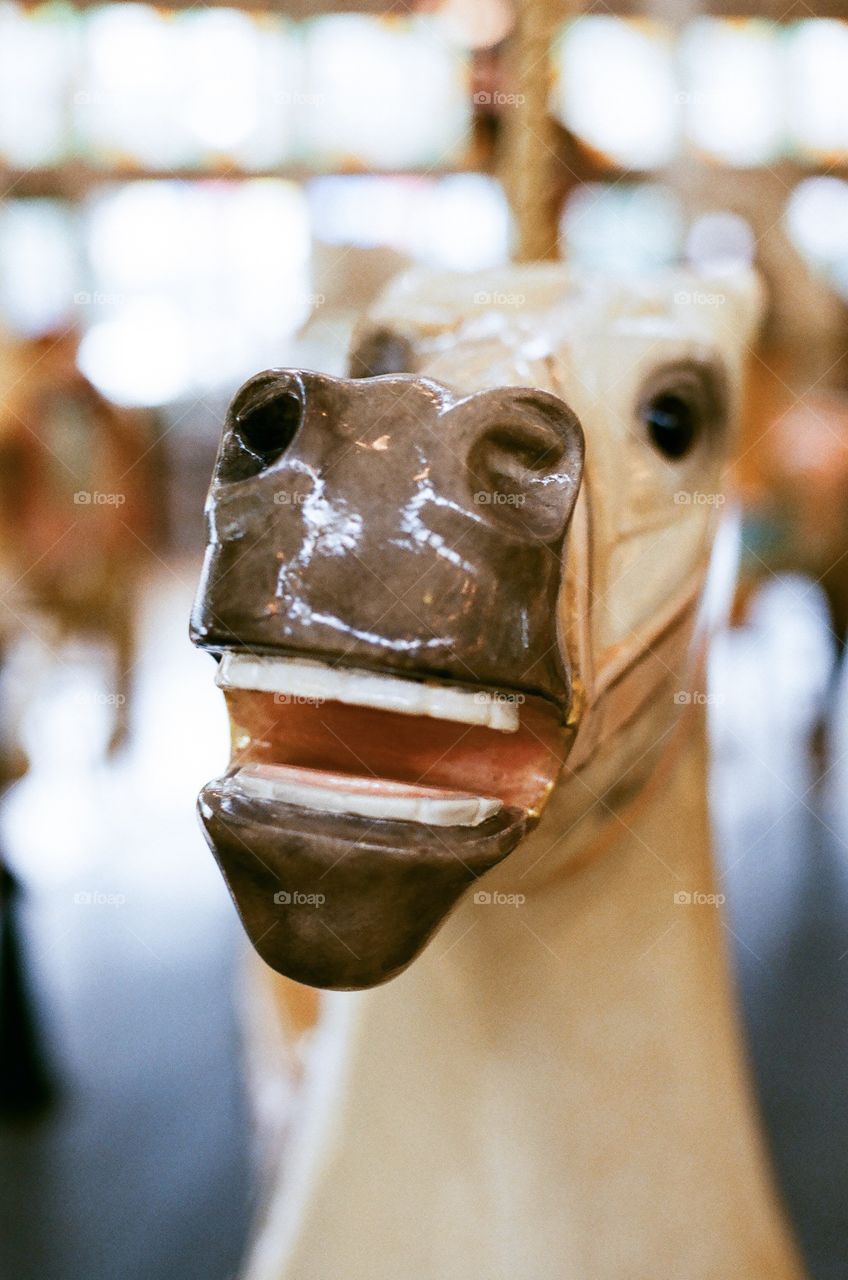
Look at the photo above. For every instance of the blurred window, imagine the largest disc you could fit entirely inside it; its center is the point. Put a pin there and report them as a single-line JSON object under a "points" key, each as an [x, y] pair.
{"points": [[162, 90], [721, 240], [39, 268], [817, 218], [384, 93], [460, 222], [735, 88], [817, 56], [621, 228], [615, 88], [37, 53], [817, 225], [195, 285]]}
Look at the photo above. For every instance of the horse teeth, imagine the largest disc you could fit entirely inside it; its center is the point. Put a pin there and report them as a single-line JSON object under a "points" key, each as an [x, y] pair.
{"points": [[366, 797], [309, 680]]}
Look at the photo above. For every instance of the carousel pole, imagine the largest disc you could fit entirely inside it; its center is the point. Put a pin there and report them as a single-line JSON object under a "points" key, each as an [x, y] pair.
{"points": [[531, 154]]}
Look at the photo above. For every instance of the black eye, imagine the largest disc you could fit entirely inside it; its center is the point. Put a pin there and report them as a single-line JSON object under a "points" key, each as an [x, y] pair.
{"points": [[673, 423], [268, 428], [682, 403]]}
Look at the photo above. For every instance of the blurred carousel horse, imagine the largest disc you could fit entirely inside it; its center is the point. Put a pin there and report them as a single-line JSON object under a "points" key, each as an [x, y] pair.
{"points": [[794, 486], [74, 512]]}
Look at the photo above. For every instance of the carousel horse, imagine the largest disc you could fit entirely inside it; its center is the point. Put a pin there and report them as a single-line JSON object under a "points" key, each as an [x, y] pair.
{"points": [[460, 601], [74, 510]]}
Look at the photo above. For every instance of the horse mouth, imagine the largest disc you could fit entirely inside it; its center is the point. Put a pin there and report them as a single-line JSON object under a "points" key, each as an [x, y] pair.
{"points": [[358, 806]]}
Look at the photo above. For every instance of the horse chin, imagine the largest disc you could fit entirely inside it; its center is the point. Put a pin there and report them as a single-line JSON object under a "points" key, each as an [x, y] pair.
{"points": [[340, 900]]}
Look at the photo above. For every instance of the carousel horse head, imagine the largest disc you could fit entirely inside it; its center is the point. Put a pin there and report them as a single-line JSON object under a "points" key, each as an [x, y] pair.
{"points": [[448, 589]]}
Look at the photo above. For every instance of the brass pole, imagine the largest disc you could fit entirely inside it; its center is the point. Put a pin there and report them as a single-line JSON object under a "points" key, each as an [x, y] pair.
{"points": [[531, 140]]}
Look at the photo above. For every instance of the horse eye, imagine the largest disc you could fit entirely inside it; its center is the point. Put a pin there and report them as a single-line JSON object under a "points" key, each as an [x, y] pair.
{"points": [[680, 404], [673, 424]]}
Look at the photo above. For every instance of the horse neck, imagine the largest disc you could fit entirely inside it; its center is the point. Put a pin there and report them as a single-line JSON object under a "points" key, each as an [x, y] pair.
{"points": [[554, 1088]]}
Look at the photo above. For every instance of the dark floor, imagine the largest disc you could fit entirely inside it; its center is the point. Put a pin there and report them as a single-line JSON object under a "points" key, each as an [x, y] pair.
{"points": [[142, 1170], [784, 851]]}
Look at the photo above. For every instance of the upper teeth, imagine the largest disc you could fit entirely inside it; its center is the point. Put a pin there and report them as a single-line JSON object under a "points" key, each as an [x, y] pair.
{"points": [[301, 678]]}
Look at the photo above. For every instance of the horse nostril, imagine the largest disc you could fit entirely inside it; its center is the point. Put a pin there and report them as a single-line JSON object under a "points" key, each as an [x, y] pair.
{"points": [[268, 428], [526, 463]]}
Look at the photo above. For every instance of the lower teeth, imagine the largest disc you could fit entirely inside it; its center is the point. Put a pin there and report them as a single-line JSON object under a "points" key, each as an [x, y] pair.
{"points": [[365, 797]]}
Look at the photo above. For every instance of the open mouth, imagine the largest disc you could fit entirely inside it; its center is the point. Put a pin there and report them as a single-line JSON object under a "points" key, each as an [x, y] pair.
{"points": [[359, 805]]}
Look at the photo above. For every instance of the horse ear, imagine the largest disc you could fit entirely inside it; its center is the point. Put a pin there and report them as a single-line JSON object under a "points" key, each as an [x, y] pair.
{"points": [[378, 352], [526, 461]]}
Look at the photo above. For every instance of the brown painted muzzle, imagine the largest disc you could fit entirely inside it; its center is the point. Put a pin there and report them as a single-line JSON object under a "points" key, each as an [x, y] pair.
{"points": [[385, 524]]}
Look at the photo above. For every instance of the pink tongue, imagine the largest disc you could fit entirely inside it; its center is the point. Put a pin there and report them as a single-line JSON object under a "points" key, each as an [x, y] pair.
{"points": [[349, 783]]}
